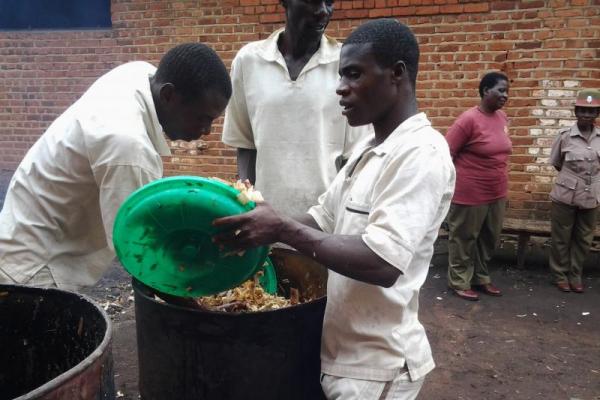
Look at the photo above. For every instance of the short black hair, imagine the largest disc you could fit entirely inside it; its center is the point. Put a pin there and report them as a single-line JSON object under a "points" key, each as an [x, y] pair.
{"points": [[490, 80], [392, 41], [194, 68]]}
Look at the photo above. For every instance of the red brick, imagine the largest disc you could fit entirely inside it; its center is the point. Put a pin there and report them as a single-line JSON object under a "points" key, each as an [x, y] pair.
{"points": [[380, 12], [400, 11], [451, 9], [477, 7], [532, 4], [357, 13], [528, 45], [271, 18], [427, 10]]}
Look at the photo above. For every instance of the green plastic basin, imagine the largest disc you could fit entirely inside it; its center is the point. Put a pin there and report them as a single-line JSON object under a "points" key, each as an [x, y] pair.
{"points": [[163, 237]]}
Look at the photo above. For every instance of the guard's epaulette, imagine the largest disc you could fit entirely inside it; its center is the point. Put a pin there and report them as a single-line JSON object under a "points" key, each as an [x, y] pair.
{"points": [[564, 130]]}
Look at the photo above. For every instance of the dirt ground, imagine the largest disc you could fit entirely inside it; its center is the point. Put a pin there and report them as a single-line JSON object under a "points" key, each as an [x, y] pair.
{"points": [[533, 343]]}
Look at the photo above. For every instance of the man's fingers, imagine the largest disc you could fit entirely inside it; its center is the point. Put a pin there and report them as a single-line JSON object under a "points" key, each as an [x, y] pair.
{"points": [[234, 238], [233, 220], [227, 244]]}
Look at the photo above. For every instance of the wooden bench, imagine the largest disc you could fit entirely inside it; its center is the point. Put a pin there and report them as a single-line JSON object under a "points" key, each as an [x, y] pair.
{"points": [[524, 229]]}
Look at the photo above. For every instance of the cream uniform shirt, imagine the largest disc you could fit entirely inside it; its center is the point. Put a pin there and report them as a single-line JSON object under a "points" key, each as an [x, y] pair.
{"points": [[395, 195], [296, 127], [63, 198]]}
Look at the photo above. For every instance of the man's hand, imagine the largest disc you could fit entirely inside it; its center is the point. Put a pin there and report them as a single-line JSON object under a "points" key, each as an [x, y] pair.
{"points": [[258, 227], [345, 254]]}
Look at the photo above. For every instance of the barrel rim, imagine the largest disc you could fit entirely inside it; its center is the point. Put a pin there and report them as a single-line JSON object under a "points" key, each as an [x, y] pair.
{"points": [[86, 362], [141, 289]]}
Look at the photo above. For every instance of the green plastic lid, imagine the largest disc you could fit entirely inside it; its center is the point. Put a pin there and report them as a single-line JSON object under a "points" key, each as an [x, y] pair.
{"points": [[268, 280], [163, 237]]}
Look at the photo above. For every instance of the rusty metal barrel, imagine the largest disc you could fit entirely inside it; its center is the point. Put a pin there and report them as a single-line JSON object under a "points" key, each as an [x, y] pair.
{"points": [[190, 354], [54, 345]]}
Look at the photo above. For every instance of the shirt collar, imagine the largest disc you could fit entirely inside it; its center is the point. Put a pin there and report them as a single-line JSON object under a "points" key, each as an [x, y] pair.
{"points": [[366, 145], [153, 127], [328, 49], [411, 124], [576, 132]]}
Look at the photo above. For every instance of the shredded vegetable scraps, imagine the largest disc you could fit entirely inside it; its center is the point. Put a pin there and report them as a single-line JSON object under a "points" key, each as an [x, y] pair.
{"points": [[249, 296], [247, 192]]}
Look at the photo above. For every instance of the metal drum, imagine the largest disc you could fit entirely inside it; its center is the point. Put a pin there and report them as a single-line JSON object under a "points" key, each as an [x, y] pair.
{"points": [[187, 354], [54, 345]]}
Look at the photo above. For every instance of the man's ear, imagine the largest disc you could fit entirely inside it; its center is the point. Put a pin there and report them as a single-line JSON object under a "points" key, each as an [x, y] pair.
{"points": [[167, 92], [400, 71]]}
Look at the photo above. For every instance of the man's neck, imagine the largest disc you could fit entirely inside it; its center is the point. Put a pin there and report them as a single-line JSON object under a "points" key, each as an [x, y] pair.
{"points": [[385, 127], [586, 130], [293, 45]]}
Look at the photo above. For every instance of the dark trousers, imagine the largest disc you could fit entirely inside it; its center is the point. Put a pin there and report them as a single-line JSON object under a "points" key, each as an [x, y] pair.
{"points": [[572, 235], [472, 239]]}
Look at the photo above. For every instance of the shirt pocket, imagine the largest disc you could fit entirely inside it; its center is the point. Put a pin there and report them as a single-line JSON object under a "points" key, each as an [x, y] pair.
{"points": [[576, 162], [356, 207], [356, 217], [564, 189]]}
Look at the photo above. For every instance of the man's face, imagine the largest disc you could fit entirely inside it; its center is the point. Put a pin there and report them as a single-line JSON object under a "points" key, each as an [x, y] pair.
{"points": [[192, 119], [366, 89], [309, 17], [496, 96], [586, 115]]}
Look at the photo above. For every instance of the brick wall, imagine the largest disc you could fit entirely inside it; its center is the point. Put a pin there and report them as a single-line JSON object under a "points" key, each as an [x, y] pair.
{"points": [[548, 48]]}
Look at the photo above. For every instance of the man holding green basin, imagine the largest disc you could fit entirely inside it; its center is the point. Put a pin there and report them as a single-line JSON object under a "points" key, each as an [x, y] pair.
{"points": [[374, 228], [56, 223]]}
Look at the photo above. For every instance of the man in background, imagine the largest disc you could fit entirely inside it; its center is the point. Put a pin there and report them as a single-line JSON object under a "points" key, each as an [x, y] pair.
{"points": [[284, 117]]}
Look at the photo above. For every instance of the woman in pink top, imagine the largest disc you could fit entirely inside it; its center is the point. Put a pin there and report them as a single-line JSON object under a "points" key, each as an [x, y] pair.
{"points": [[480, 146]]}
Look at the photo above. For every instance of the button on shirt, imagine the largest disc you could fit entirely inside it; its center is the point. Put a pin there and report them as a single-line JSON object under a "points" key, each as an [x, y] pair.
{"points": [[63, 198], [395, 195], [296, 127], [578, 160]]}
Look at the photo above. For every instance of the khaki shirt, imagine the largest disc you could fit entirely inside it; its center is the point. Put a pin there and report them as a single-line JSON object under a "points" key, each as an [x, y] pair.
{"points": [[62, 200], [395, 195], [296, 127], [578, 162]]}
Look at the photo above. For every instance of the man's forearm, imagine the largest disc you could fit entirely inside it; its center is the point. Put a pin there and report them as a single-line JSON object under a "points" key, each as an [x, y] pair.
{"points": [[347, 255], [308, 220]]}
